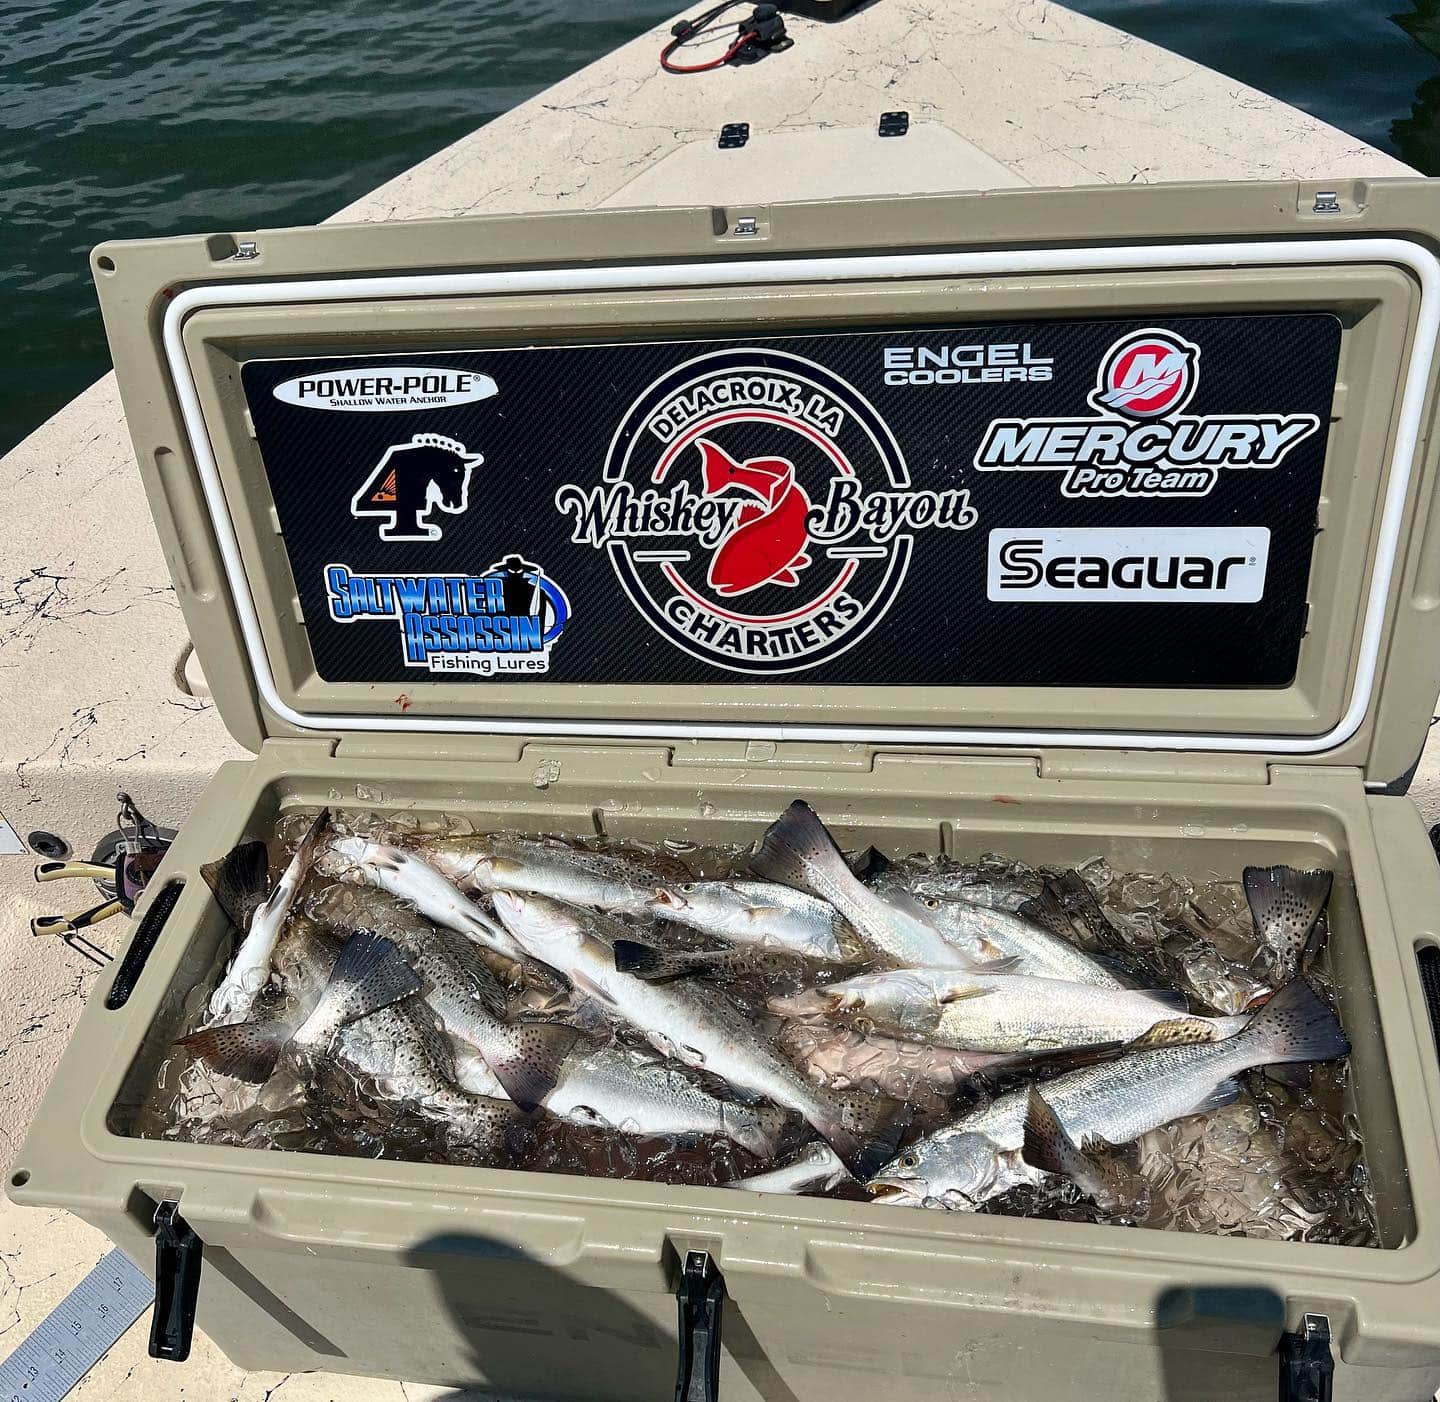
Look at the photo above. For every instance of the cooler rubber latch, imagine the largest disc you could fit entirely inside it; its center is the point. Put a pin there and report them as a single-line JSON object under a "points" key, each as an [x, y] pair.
{"points": [[177, 1284], [1307, 1367], [701, 1294]]}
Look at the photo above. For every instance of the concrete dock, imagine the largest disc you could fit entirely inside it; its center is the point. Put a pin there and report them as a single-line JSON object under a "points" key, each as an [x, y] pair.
{"points": [[99, 689]]}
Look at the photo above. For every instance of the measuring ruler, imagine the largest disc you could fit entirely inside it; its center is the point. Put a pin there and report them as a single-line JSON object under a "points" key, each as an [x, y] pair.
{"points": [[77, 1333]]}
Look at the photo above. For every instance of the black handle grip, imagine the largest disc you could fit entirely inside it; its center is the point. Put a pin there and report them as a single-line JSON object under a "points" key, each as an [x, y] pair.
{"points": [[178, 1254], [701, 1296], [142, 944], [1307, 1369]]}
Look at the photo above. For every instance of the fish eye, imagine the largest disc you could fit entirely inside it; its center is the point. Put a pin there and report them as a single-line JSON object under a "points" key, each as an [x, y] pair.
{"points": [[910, 1160], [688, 887], [932, 903]]}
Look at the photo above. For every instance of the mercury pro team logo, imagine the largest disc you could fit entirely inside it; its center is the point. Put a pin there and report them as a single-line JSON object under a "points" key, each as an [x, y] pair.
{"points": [[1142, 444], [503, 621], [757, 511], [1148, 374]]}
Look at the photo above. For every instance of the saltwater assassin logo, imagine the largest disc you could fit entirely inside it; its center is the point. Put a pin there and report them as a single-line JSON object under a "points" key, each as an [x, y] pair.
{"points": [[504, 621], [1139, 443], [757, 511]]}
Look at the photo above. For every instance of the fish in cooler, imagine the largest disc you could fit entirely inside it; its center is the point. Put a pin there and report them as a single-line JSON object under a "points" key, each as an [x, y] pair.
{"points": [[408, 877], [988, 935], [816, 1169], [979, 1156], [623, 884], [757, 913], [1005, 1012], [698, 1028], [369, 974], [238, 881], [797, 851], [500, 980]]}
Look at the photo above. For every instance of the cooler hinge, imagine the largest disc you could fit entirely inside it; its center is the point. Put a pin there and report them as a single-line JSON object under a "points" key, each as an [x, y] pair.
{"points": [[294, 750], [1154, 767], [462, 749], [784, 754], [1310, 776], [842, 756]]}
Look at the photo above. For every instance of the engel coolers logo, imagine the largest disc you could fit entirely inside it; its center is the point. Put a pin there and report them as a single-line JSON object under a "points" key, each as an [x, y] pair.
{"points": [[380, 389], [1177, 565], [1142, 444], [757, 511], [995, 363], [503, 621]]}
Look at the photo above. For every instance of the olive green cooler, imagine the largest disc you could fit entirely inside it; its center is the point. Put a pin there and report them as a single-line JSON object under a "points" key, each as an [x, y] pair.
{"points": [[1126, 546]]}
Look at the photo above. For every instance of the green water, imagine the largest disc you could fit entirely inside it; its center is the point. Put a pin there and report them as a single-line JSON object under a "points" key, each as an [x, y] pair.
{"points": [[139, 117]]}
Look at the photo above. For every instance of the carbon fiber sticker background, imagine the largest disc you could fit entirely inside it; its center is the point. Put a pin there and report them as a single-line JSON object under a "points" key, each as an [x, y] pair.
{"points": [[557, 409]]}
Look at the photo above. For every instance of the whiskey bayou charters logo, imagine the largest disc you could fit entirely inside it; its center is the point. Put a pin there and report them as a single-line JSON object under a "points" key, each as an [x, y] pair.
{"points": [[757, 511], [504, 621], [1139, 442]]}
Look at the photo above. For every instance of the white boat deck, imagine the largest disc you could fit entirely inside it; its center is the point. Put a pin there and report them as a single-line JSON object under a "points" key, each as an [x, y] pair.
{"points": [[1001, 92]]}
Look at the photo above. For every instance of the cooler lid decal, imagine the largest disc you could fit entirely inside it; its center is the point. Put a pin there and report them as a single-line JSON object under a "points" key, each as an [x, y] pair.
{"points": [[1063, 503]]}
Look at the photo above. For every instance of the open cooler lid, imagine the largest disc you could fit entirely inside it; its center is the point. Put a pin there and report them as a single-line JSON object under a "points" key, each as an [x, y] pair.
{"points": [[1115, 469]]}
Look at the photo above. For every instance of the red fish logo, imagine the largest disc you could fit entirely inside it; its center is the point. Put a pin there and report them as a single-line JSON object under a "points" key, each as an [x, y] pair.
{"points": [[767, 544]]}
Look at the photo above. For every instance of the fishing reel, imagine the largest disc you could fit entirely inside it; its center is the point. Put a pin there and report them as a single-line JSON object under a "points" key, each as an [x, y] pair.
{"points": [[121, 867]]}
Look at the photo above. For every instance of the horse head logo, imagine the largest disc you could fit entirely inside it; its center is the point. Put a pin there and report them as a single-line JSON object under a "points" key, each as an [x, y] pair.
{"points": [[429, 473]]}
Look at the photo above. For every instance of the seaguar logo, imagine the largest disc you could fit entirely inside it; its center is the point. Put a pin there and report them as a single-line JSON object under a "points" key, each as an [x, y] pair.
{"points": [[1085, 564], [757, 511], [503, 621], [1141, 443]]}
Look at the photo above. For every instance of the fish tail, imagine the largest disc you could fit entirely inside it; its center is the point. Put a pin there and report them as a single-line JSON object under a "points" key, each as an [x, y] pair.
{"points": [[795, 845], [864, 1131], [1085, 911], [1295, 1025], [755, 1129], [1046, 911], [659, 966], [369, 974], [239, 881], [651, 964], [1285, 905], [489, 1125], [529, 1066], [309, 845], [248, 1051], [1047, 1144], [870, 865]]}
